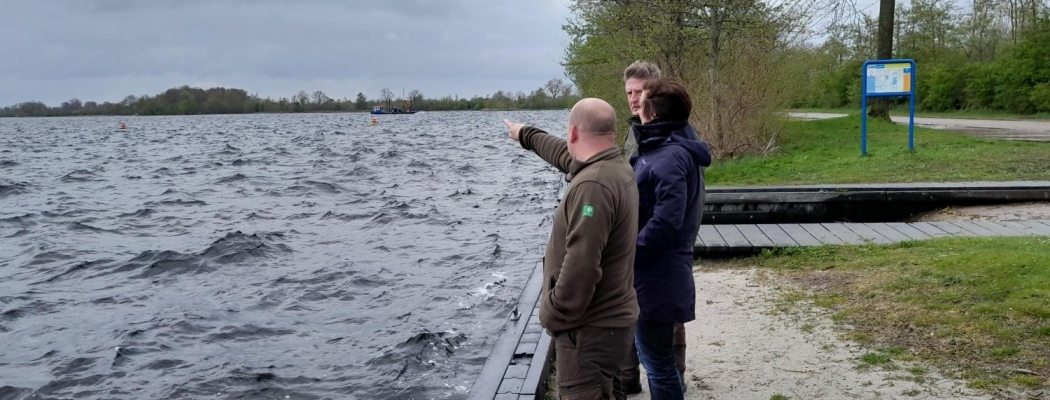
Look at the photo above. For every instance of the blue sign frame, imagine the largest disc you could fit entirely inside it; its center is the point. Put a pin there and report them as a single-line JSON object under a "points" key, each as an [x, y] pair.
{"points": [[887, 78]]}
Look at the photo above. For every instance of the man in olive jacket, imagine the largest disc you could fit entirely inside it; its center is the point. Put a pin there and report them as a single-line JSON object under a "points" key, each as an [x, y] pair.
{"points": [[588, 302]]}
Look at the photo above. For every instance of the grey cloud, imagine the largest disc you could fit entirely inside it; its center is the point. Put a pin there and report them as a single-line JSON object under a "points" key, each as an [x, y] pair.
{"points": [[477, 46]]}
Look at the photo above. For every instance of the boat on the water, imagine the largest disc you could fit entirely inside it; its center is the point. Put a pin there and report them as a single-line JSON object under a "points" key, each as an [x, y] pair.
{"points": [[395, 110], [378, 109]]}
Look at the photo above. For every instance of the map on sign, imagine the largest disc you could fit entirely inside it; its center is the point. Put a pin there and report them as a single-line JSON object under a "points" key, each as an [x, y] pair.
{"points": [[888, 78]]}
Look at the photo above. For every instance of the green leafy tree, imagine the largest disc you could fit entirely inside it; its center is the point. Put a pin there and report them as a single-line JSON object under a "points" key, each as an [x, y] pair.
{"points": [[731, 54], [361, 102]]}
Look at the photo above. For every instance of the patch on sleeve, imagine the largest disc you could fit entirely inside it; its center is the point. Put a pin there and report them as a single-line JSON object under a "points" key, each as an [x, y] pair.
{"points": [[588, 210]]}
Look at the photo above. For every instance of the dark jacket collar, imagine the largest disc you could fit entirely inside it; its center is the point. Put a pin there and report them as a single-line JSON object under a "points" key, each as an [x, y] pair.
{"points": [[658, 130], [658, 133]]}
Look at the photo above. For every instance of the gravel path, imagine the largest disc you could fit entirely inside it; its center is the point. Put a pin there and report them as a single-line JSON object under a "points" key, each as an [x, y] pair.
{"points": [[1034, 130]]}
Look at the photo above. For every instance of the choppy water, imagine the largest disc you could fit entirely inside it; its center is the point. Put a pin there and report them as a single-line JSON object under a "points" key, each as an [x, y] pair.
{"points": [[263, 256]]}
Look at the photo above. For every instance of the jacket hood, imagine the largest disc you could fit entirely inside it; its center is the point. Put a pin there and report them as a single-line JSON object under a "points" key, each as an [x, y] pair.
{"points": [[658, 133]]}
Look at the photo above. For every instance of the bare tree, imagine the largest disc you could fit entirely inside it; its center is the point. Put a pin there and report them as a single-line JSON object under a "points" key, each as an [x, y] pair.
{"points": [[554, 87], [982, 31], [1022, 13], [386, 95], [565, 91], [302, 97], [320, 97], [415, 95]]}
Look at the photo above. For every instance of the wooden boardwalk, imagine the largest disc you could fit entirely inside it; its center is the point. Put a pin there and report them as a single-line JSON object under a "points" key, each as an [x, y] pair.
{"points": [[723, 240], [858, 202], [961, 189]]}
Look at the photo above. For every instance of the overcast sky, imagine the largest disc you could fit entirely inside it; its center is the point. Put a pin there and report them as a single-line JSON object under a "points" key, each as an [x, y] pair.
{"points": [[103, 50]]}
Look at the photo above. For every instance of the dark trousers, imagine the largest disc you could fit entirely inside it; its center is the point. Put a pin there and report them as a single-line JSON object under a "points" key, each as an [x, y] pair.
{"points": [[588, 362], [655, 344], [631, 374]]}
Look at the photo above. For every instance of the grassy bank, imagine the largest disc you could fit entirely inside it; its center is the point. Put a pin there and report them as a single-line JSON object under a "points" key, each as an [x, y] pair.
{"points": [[979, 307], [929, 114], [828, 151]]}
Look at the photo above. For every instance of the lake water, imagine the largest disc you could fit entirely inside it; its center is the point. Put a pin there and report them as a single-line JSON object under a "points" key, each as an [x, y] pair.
{"points": [[303, 256]]}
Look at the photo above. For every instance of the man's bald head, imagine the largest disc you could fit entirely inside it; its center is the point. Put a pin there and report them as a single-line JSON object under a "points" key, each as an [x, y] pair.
{"points": [[593, 117]]}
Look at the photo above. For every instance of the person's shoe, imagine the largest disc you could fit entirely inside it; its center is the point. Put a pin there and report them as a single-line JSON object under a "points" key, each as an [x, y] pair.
{"points": [[632, 388]]}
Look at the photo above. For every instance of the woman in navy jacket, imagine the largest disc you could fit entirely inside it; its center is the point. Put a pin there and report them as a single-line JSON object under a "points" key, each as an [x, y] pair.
{"points": [[669, 171]]}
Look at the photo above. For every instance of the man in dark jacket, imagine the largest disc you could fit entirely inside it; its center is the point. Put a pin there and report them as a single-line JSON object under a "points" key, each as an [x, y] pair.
{"points": [[668, 168], [588, 301]]}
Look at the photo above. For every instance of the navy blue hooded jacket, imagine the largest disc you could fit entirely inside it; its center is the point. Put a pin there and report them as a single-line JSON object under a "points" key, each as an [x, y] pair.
{"points": [[669, 171]]}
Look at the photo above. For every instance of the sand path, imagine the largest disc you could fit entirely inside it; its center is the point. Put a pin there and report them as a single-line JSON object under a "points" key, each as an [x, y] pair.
{"points": [[1033, 130], [738, 348]]}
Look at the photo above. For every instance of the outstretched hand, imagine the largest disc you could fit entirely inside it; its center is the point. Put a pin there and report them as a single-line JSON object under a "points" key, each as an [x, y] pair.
{"points": [[514, 127]]}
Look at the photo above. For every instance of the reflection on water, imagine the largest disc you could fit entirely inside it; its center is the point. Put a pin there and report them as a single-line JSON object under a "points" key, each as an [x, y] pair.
{"points": [[263, 256]]}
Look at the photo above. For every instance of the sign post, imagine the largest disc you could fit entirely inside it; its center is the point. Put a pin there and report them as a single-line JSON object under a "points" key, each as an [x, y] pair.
{"points": [[887, 78]]}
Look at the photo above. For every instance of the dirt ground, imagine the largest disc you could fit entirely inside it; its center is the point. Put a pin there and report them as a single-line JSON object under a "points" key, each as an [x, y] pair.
{"points": [[998, 212], [739, 349]]}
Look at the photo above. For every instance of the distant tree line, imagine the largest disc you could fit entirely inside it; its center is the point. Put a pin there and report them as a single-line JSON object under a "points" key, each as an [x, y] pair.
{"points": [[974, 55], [185, 100]]}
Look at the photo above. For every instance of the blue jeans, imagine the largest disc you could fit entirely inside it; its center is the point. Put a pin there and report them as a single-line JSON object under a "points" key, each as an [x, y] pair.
{"points": [[655, 344]]}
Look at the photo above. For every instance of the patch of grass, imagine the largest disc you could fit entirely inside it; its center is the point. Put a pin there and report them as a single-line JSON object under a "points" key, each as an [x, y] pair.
{"points": [[895, 350], [979, 307], [913, 392], [806, 328], [829, 300], [828, 151], [862, 337], [982, 384], [976, 114], [779, 396], [875, 358], [1029, 381], [1042, 331], [1005, 351]]}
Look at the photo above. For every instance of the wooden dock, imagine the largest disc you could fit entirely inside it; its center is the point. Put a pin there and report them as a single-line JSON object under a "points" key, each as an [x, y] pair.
{"points": [[858, 202], [732, 240]]}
